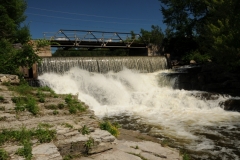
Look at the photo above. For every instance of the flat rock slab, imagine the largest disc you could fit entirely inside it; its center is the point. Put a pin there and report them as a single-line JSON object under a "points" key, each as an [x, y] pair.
{"points": [[129, 150], [46, 151]]}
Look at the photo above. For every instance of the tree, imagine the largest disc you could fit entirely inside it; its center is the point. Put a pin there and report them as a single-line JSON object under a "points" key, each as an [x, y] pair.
{"points": [[13, 31], [222, 32], [155, 36], [213, 24]]}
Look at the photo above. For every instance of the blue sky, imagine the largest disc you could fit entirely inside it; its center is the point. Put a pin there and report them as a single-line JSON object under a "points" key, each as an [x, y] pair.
{"points": [[98, 15]]}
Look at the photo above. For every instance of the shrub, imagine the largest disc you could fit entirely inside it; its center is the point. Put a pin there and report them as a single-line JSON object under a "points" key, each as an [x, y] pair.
{"points": [[111, 128], [197, 56]]}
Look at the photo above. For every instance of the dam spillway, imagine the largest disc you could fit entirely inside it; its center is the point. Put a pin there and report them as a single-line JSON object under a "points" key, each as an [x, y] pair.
{"points": [[102, 64]]}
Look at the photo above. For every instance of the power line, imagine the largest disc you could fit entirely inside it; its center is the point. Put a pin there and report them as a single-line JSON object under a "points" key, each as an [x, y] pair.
{"points": [[84, 19], [92, 15], [76, 25]]}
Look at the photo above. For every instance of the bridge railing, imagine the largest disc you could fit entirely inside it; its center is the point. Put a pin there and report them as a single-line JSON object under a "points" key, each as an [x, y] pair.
{"points": [[79, 37]]}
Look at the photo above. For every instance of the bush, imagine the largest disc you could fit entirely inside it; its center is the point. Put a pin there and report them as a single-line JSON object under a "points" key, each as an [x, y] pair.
{"points": [[111, 128], [197, 56]]}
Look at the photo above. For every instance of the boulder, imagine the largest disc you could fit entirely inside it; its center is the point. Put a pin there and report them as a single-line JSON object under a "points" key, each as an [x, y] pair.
{"points": [[231, 105]]}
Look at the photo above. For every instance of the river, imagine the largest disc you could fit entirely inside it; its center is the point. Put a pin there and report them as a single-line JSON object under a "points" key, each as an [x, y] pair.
{"points": [[139, 101]]}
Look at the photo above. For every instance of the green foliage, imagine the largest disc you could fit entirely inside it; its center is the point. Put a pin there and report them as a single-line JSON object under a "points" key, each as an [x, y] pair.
{"points": [[42, 43], [55, 112], [111, 128], [213, 25], [186, 156], [23, 89], [74, 105], [88, 144], [42, 133], [60, 106], [198, 57], [26, 151], [32, 106], [11, 16], [68, 125], [1, 98], [84, 130], [68, 157], [155, 36], [3, 154]]}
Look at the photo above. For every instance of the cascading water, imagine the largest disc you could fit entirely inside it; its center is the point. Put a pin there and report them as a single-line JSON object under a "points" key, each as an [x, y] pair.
{"points": [[102, 64], [200, 126]]}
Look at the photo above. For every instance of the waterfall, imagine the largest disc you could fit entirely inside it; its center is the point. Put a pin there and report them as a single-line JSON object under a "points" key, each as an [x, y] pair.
{"points": [[101, 64]]}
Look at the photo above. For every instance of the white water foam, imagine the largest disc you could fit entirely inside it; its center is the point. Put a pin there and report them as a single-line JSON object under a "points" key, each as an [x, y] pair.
{"points": [[178, 113]]}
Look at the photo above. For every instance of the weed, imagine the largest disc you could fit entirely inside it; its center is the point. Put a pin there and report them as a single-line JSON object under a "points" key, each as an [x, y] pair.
{"points": [[23, 89], [84, 130], [60, 106], [55, 112], [31, 106], [88, 144], [41, 99], [138, 155], [3, 154], [3, 118], [45, 125], [26, 151], [74, 105], [41, 133], [136, 147], [6, 83], [186, 156], [72, 109], [2, 108], [51, 106], [67, 125], [1, 99], [44, 135], [111, 128], [68, 157]]}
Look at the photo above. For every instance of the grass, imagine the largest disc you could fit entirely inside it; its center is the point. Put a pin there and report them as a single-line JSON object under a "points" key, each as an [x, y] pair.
{"points": [[24, 103], [55, 112], [43, 135], [26, 151], [138, 155], [68, 125], [111, 128], [73, 105], [88, 144], [3, 154], [84, 130], [1, 98]]}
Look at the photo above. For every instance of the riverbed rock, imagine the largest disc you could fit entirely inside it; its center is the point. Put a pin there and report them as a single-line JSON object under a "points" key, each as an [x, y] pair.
{"points": [[231, 105]]}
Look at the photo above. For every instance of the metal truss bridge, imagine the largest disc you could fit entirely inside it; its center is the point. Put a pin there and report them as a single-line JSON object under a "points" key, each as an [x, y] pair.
{"points": [[94, 39]]}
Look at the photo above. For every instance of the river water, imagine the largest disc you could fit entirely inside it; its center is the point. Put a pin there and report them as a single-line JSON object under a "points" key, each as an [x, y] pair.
{"points": [[147, 102]]}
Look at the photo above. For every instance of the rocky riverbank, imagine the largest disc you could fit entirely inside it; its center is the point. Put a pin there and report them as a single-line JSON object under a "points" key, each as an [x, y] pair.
{"points": [[70, 140]]}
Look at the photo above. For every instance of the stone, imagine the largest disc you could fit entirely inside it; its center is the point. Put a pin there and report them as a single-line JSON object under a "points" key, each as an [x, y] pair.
{"points": [[192, 62], [231, 105], [46, 151]]}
